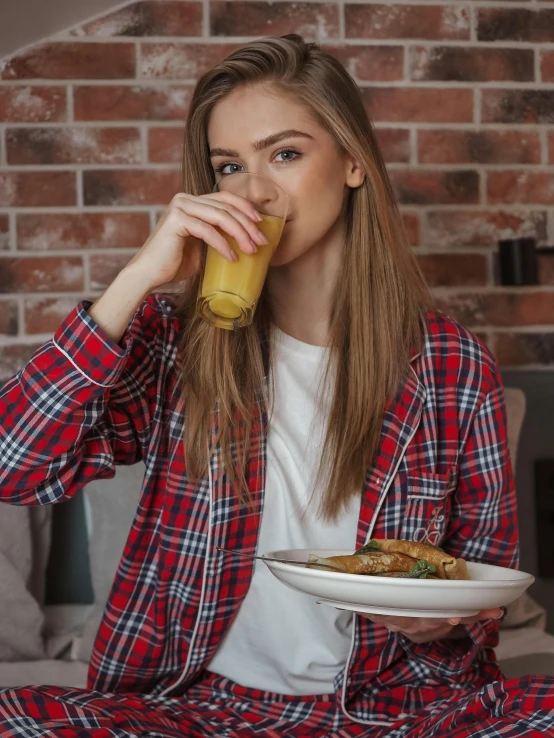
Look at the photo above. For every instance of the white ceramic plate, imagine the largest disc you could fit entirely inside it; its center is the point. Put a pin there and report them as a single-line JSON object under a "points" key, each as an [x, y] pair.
{"points": [[490, 586]]}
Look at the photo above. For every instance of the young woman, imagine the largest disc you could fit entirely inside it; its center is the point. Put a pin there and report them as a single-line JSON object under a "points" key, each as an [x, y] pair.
{"points": [[347, 410]]}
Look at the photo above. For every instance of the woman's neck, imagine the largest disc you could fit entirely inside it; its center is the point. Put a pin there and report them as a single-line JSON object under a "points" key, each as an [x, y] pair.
{"points": [[301, 293]]}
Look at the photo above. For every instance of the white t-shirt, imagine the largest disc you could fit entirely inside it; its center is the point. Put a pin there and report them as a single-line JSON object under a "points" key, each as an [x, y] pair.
{"points": [[281, 640]]}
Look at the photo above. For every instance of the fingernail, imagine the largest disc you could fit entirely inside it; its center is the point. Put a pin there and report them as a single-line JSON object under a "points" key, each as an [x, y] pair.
{"points": [[254, 246], [261, 238], [233, 256], [454, 621], [258, 216]]}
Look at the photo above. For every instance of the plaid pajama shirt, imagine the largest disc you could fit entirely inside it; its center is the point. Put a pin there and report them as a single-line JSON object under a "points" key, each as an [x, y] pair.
{"points": [[442, 474]]}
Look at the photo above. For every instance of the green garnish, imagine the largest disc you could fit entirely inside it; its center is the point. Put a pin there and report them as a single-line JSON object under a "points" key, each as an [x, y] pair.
{"points": [[370, 547], [420, 570]]}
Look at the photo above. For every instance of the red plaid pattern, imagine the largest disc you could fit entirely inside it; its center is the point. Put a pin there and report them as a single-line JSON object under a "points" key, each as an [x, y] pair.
{"points": [[83, 405], [218, 708]]}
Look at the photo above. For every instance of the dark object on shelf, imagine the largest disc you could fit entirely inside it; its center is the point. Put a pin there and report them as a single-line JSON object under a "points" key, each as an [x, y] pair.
{"points": [[518, 261]]}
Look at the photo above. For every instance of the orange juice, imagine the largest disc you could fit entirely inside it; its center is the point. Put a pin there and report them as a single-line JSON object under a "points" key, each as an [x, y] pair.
{"points": [[230, 290]]}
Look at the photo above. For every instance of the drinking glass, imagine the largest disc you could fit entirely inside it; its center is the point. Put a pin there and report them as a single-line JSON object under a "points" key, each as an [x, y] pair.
{"points": [[229, 291]]}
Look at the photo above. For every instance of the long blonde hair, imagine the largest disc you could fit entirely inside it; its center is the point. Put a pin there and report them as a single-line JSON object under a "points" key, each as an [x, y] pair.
{"points": [[378, 313]]}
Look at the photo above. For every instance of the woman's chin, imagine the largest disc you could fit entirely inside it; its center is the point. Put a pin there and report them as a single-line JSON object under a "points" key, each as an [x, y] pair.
{"points": [[285, 252]]}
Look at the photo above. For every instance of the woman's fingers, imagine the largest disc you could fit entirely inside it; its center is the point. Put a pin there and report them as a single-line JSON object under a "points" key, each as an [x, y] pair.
{"points": [[234, 221], [422, 629], [207, 233], [494, 613], [241, 203], [245, 220]]}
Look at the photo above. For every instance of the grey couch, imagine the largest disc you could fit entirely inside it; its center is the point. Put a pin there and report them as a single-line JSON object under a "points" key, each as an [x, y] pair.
{"points": [[52, 644]]}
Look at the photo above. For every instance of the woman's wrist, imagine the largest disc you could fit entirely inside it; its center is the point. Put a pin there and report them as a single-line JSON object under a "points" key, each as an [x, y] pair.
{"points": [[135, 279], [115, 308]]}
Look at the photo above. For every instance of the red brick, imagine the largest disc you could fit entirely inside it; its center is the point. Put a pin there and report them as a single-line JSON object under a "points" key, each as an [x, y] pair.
{"points": [[451, 270], [73, 145], [546, 268], [524, 187], [418, 105], [371, 63], [37, 189], [500, 308], [13, 357], [181, 61], [386, 21], [147, 18], [551, 148], [4, 233], [455, 64], [517, 106], [104, 268], [547, 66], [131, 187], [253, 18], [435, 188], [454, 228], [518, 349], [394, 144], [9, 320], [63, 60], [485, 147], [412, 228], [165, 145], [44, 314], [46, 231], [41, 274], [515, 24], [132, 103], [32, 104]]}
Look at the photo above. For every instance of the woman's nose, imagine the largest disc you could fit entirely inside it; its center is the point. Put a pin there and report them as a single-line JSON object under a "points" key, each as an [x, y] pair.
{"points": [[260, 192]]}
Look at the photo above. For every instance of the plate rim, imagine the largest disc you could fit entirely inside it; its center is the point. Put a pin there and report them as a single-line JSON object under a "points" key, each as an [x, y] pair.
{"points": [[392, 581]]}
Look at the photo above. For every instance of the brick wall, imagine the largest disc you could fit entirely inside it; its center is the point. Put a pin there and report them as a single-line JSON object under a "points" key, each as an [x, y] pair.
{"points": [[462, 95]]}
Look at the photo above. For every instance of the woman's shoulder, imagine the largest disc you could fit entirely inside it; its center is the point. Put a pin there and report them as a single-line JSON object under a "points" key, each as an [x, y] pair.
{"points": [[451, 348]]}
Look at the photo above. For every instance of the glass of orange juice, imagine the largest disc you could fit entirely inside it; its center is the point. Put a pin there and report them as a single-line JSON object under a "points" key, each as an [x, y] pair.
{"points": [[229, 291]]}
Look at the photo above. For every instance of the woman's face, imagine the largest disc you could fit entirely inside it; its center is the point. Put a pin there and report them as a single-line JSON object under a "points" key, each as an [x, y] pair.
{"points": [[258, 130]]}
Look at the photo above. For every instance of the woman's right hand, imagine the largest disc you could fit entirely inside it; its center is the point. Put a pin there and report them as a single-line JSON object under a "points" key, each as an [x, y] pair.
{"points": [[173, 249]]}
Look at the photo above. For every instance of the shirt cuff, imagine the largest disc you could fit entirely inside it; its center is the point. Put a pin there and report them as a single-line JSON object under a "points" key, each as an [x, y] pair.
{"points": [[90, 350]]}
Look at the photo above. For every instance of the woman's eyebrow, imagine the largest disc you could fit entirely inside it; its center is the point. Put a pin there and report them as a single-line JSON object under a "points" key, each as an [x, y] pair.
{"points": [[265, 142]]}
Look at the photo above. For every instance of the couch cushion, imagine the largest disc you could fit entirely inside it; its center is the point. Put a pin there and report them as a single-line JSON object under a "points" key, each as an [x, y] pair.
{"points": [[524, 651], [24, 545], [63, 629], [524, 611], [515, 414], [523, 641], [537, 664], [111, 505], [54, 673]]}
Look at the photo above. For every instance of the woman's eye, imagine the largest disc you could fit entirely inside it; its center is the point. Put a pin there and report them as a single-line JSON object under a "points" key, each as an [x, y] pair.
{"points": [[288, 155], [234, 168]]}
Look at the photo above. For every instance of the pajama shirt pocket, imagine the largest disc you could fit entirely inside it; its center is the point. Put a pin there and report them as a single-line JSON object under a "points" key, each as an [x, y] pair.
{"points": [[428, 507]]}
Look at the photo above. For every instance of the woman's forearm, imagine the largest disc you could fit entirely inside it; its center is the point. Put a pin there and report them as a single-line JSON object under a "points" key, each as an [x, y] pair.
{"points": [[115, 308]]}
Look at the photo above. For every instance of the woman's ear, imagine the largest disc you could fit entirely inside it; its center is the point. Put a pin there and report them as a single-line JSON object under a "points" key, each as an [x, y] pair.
{"points": [[355, 174]]}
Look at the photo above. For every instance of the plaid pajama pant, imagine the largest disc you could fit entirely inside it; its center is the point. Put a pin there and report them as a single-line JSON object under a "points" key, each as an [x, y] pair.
{"points": [[217, 707]]}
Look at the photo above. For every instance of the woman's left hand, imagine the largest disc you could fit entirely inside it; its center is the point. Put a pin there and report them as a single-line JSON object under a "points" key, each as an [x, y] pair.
{"points": [[423, 630]]}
